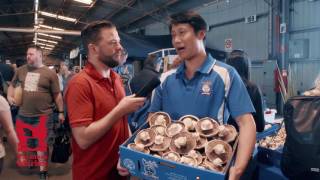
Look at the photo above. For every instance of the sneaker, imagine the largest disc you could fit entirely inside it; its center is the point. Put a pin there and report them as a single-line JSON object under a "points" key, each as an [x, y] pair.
{"points": [[43, 175]]}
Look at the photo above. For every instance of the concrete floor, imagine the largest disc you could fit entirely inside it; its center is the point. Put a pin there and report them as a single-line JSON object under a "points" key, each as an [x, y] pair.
{"points": [[11, 172]]}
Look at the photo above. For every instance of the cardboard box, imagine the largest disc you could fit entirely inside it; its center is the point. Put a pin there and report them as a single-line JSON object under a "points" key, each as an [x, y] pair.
{"points": [[146, 166]]}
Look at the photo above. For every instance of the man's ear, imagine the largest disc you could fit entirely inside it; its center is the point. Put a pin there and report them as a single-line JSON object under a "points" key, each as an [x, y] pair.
{"points": [[92, 47], [201, 34]]}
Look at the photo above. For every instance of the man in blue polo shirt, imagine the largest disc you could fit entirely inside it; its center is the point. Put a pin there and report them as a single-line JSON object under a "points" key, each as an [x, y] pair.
{"points": [[204, 87]]}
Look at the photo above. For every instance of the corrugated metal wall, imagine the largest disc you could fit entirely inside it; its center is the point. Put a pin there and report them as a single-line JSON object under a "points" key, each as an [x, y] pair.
{"points": [[305, 24], [227, 20]]}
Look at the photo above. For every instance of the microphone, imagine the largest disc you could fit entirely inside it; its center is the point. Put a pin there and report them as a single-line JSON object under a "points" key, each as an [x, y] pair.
{"points": [[148, 87]]}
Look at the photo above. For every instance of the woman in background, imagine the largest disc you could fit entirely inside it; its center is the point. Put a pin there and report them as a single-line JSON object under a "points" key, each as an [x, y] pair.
{"points": [[239, 61], [6, 124]]}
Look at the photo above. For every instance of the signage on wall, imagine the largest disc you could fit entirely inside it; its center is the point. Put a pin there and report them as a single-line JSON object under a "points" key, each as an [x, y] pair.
{"points": [[228, 45], [283, 28]]}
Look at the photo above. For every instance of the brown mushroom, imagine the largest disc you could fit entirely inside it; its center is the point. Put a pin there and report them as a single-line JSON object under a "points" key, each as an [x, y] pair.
{"points": [[173, 156], [191, 161], [213, 166], [139, 147], [145, 137], [227, 133], [159, 129], [197, 155], [218, 149], [207, 127], [159, 118], [161, 143], [190, 122], [201, 141], [175, 128], [182, 143]]}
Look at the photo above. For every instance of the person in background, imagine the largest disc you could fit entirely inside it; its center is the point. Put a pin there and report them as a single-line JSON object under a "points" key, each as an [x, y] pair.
{"points": [[176, 62], [97, 106], [205, 87], [240, 62], [7, 125], [150, 70], [34, 124]]}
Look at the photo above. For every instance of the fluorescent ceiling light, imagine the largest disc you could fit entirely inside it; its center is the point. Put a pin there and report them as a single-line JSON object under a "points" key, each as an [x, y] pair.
{"points": [[52, 36], [46, 45], [47, 14], [47, 41], [47, 48], [57, 16], [51, 27], [84, 1]]}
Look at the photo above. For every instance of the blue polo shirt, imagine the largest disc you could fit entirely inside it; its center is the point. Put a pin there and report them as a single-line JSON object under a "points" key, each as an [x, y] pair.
{"points": [[205, 95]]}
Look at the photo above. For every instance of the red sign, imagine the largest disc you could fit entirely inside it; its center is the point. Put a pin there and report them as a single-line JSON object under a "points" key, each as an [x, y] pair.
{"points": [[228, 45]]}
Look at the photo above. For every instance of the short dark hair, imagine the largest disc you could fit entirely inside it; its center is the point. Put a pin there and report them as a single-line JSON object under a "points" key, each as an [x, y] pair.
{"points": [[240, 62], [189, 17], [91, 33], [151, 61], [36, 47]]}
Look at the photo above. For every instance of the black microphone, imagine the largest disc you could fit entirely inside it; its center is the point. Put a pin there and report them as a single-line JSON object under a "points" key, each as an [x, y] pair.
{"points": [[148, 87]]}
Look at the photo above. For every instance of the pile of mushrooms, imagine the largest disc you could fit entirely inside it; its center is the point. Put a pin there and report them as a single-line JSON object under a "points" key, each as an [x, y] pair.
{"points": [[201, 143], [274, 142]]}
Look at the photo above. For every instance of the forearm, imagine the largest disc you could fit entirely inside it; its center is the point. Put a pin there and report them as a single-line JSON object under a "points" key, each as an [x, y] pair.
{"points": [[6, 122], [10, 92], [59, 102], [13, 139], [89, 135], [247, 140]]}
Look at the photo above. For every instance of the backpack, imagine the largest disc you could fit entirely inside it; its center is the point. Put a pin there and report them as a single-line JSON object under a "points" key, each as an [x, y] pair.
{"points": [[301, 151]]}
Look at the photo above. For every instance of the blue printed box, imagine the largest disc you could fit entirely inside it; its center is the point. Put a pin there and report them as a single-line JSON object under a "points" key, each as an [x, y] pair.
{"points": [[146, 166]]}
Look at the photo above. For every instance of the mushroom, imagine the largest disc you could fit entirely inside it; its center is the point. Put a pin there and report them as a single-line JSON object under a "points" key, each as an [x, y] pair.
{"points": [[200, 141], [145, 137], [182, 143], [190, 122], [159, 118], [217, 162], [175, 128], [222, 131], [173, 156], [196, 155], [159, 129], [207, 127], [218, 149], [138, 147], [214, 166], [188, 160], [161, 143], [227, 133]]}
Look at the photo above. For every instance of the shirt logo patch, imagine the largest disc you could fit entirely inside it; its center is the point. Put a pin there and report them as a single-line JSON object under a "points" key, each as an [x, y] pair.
{"points": [[31, 82], [206, 88]]}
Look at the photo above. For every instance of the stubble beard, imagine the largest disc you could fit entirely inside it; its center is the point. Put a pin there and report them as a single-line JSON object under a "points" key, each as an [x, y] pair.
{"points": [[109, 61]]}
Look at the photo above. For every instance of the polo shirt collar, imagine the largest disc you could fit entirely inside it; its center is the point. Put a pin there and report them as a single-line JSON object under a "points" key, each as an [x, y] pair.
{"points": [[92, 72], [205, 68]]}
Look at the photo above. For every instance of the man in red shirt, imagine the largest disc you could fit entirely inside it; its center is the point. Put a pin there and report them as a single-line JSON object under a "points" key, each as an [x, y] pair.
{"points": [[97, 106]]}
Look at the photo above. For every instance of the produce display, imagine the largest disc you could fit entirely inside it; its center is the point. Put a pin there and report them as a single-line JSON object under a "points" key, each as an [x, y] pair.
{"points": [[274, 142], [202, 143]]}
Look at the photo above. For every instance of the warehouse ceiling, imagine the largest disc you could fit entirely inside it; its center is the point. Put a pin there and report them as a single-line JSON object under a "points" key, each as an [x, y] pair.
{"points": [[126, 14]]}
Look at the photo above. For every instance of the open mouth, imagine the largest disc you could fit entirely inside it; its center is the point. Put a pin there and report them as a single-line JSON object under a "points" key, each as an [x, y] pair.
{"points": [[180, 49]]}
